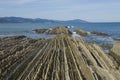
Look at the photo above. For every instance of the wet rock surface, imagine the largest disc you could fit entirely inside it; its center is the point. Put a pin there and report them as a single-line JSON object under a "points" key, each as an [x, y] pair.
{"points": [[81, 32], [60, 58], [100, 33]]}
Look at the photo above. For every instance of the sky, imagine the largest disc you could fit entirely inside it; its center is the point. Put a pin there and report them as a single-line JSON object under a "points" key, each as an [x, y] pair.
{"points": [[89, 10]]}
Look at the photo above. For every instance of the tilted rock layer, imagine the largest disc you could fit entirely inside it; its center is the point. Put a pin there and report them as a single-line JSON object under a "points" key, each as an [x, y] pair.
{"points": [[55, 31], [60, 58], [116, 48], [100, 33], [81, 32], [115, 52]]}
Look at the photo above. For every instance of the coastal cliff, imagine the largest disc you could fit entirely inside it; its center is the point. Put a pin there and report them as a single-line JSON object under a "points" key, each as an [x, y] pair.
{"points": [[62, 57]]}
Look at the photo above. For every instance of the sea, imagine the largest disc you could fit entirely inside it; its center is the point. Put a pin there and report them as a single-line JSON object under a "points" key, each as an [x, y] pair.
{"points": [[113, 29]]}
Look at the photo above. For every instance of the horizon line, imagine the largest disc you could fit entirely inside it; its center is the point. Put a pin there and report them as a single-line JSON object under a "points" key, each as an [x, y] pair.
{"points": [[62, 19]]}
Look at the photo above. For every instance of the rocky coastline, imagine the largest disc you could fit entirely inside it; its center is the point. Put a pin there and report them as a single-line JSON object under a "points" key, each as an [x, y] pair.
{"points": [[62, 57]]}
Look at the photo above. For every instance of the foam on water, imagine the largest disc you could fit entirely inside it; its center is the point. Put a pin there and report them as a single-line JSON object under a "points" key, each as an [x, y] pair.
{"points": [[75, 35]]}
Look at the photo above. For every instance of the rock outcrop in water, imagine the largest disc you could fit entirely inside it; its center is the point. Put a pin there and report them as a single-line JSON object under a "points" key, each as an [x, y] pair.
{"points": [[107, 46], [116, 39], [99, 33], [59, 30], [39, 31], [60, 58], [81, 32], [55, 31]]}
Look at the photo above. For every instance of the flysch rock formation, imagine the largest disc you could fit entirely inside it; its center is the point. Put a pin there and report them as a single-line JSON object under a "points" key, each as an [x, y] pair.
{"points": [[81, 32], [100, 33], [115, 52], [39, 31], [55, 31], [60, 58], [116, 48]]}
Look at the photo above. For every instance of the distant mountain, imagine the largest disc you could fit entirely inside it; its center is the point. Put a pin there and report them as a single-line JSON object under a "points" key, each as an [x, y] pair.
{"points": [[77, 21], [37, 20]]}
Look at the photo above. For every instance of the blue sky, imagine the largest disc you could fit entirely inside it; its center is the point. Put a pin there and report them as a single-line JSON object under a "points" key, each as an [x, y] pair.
{"points": [[90, 10]]}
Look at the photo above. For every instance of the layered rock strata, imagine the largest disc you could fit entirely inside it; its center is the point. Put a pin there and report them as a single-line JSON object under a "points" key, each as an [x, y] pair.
{"points": [[99, 33], [57, 30], [115, 52], [39, 31], [60, 58], [81, 32]]}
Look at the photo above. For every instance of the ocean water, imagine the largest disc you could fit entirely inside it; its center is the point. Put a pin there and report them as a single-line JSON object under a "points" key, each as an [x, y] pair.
{"points": [[10, 29], [111, 28]]}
